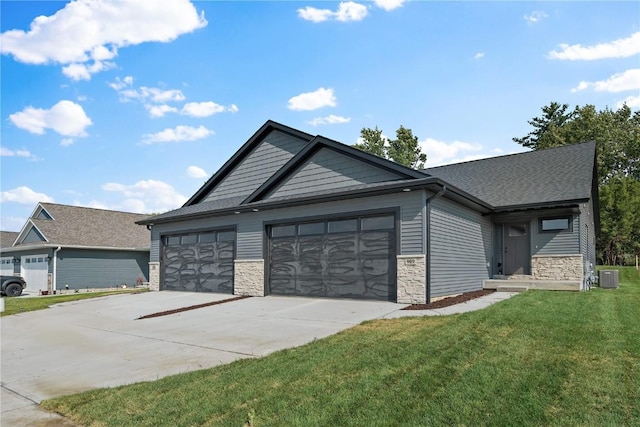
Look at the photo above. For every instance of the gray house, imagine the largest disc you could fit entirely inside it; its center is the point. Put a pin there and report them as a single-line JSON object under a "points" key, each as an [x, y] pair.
{"points": [[81, 248], [294, 214]]}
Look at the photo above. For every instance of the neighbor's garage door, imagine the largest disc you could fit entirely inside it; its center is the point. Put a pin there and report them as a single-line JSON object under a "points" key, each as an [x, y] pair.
{"points": [[353, 257], [35, 270], [200, 262]]}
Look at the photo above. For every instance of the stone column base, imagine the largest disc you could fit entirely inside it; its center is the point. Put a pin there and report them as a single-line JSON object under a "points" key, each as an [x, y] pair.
{"points": [[557, 267], [154, 276], [248, 277], [412, 279]]}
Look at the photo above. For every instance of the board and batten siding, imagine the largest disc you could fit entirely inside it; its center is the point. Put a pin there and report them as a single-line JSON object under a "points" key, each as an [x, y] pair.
{"points": [[88, 268], [250, 226], [329, 170], [260, 164], [461, 248], [558, 243]]}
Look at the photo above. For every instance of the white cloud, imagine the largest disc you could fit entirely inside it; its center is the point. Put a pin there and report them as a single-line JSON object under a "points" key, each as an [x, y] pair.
{"points": [[151, 94], [6, 152], [389, 4], [160, 110], [86, 34], [120, 84], [11, 223], [329, 120], [206, 109], [347, 11], [478, 55], [178, 134], [621, 48], [313, 100], [350, 11], [314, 15], [535, 16], [66, 118], [442, 153], [620, 82], [67, 142], [631, 101], [196, 172], [147, 196], [24, 196]]}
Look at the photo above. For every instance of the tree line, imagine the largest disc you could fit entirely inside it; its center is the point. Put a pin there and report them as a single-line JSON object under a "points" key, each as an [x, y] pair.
{"points": [[617, 137]]}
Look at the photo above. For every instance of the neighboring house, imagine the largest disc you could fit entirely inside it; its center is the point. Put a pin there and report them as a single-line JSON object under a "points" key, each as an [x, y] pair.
{"points": [[294, 214], [81, 248]]}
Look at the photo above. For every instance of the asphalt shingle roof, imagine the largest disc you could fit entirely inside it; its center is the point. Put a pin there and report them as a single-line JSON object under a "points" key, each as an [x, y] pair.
{"points": [[7, 238], [535, 177], [78, 226]]}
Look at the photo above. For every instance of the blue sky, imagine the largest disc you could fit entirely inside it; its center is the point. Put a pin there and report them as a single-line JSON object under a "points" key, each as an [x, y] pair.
{"points": [[132, 105]]}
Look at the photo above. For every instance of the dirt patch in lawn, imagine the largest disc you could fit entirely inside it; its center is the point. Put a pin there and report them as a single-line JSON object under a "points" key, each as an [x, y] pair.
{"points": [[191, 307], [446, 302]]}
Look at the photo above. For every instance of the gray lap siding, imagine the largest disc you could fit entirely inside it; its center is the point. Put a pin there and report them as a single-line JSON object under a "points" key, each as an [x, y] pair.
{"points": [[461, 249], [81, 269]]}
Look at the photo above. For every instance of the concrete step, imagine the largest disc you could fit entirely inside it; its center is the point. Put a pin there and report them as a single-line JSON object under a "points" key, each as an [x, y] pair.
{"points": [[549, 285], [512, 288]]}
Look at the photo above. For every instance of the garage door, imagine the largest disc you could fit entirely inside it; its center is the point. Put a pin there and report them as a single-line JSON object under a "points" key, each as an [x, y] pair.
{"points": [[6, 266], [35, 270], [351, 257], [199, 262]]}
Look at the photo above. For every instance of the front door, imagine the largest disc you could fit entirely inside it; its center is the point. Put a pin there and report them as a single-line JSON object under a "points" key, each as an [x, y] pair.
{"points": [[516, 249]]}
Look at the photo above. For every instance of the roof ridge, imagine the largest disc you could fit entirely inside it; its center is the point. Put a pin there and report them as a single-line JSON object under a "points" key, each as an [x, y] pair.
{"points": [[502, 156], [92, 208]]}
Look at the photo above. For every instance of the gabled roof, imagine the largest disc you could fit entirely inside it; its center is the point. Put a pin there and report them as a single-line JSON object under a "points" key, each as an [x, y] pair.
{"points": [[536, 178], [86, 227], [251, 143], [316, 144]]}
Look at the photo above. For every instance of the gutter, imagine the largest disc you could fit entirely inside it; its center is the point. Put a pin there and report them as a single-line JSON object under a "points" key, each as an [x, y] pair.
{"points": [[428, 221], [55, 267]]}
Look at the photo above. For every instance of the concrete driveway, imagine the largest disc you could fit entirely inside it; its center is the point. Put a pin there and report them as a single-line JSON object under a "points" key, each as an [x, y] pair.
{"points": [[79, 346]]}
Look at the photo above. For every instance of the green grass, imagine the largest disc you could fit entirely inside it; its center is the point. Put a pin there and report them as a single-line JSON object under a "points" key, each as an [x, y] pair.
{"points": [[22, 304], [539, 358]]}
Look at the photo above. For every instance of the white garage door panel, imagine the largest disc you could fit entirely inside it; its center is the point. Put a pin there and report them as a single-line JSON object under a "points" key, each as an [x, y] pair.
{"points": [[34, 269], [6, 266]]}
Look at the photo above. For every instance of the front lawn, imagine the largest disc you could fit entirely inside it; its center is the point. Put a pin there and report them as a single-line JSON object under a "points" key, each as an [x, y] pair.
{"points": [[23, 304], [539, 358]]}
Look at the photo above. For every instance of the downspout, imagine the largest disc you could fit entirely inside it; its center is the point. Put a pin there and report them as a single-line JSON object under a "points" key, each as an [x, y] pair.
{"points": [[428, 220], [55, 268]]}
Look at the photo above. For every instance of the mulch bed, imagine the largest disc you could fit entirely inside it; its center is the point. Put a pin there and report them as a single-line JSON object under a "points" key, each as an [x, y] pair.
{"points": [[446, 302], [191, 307]]}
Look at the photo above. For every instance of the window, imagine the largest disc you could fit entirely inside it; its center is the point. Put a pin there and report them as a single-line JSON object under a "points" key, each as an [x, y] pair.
{"points": [[226, 236], [283, 231], [207, 238], [189, 239], [343, 226], [173, 240], [548, 225], [311, 228], [517, 230], [377, 223]]}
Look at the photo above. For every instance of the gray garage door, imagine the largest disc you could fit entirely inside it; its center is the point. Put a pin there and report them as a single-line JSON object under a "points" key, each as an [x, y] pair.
{"points": [[199, 262], [352, 258]]}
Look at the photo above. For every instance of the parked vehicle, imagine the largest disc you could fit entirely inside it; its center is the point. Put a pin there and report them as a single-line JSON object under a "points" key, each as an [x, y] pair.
{"points": [[12, 286]]}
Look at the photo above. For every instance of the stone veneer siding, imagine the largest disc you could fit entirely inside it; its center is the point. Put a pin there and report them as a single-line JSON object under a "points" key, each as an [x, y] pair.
{"points": [[557, 267], [154, 276], [249, 277], [412, 287]]}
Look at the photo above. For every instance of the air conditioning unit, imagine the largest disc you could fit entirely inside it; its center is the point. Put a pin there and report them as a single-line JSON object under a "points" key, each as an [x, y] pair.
{"points": [[608, 279]]}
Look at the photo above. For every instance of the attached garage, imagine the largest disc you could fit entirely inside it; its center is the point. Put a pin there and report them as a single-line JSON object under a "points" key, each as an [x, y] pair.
{"points": [[200, 261], [342, 257]]}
